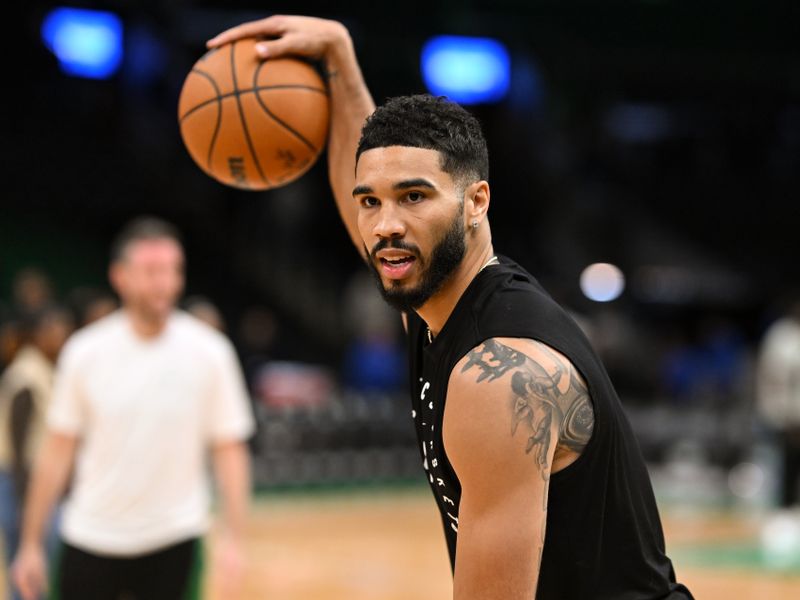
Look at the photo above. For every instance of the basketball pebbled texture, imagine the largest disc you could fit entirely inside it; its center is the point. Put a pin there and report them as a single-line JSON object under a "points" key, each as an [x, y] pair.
{"points": [[249, 123]]}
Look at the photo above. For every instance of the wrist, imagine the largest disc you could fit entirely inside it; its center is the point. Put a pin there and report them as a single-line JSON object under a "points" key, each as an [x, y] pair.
{"points": [[340, 51], [31, 544], [231, 536]]}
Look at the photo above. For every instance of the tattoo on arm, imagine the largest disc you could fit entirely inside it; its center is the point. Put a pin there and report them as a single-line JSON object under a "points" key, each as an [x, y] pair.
{"points": [[543, 392], [329, 74]]}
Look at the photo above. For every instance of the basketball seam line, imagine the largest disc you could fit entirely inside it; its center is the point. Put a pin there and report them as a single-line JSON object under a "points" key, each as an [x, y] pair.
{"points": [[241, 116], [276, 119], [219, 113], [262, 88]]}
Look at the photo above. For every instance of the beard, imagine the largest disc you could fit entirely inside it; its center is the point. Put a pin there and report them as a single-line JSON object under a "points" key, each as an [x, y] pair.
{"points": [[445, 258]]}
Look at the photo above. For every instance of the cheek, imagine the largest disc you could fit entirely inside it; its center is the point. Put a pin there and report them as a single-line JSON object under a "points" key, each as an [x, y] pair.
{"points": [[364, 223]]}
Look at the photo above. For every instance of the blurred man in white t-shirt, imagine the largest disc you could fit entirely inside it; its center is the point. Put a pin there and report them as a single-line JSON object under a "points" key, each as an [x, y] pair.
{"points": [[778, 395], [142, 398]]}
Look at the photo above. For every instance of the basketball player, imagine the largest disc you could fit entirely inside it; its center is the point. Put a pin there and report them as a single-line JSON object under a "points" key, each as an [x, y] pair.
{"points": [[141, 396], [540, 483]]}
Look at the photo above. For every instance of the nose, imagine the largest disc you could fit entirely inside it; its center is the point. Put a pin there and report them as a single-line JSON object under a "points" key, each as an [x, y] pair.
{"points": [[389, 223]]}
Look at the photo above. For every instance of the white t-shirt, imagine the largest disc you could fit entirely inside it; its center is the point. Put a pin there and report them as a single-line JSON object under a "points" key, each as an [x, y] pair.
{"points": [[146, 412], [778, 374]]}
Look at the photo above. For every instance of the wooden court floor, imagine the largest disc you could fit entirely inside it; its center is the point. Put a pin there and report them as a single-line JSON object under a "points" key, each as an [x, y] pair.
{"points": [[386, 545]]}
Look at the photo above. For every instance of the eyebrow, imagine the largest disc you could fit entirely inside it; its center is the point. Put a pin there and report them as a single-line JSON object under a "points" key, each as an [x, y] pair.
{"points": [[361, 189], [400, 185], [410, 183]]}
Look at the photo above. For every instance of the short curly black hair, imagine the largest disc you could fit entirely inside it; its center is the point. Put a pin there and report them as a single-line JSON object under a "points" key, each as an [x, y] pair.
{"points": [[434, 123]]}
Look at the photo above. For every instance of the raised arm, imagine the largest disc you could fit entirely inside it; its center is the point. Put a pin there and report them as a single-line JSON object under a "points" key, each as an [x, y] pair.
{"points": [[351, 103], [516, 411]]}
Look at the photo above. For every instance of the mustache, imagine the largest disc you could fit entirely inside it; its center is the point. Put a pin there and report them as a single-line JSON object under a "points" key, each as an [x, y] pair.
{"points": [[397, 244]]}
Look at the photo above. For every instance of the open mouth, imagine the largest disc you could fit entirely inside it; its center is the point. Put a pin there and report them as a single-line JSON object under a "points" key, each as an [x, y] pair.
{"points": [[397, 261], [396, 267]]}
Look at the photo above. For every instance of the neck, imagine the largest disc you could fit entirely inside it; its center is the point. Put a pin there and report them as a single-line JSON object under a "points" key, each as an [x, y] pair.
{"points": [[437, 310], [49, 353], [42, 350], [145, 326]]}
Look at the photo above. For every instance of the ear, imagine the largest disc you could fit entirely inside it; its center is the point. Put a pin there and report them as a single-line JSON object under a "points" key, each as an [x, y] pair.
{"points": [[476, 201], [116, 275]]}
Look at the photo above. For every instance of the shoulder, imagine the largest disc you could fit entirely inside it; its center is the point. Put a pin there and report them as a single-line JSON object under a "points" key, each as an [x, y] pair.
{"points": [[498, 357], [522, 384], [197, 336], [93, 338], [503, 411], [513, 299]]}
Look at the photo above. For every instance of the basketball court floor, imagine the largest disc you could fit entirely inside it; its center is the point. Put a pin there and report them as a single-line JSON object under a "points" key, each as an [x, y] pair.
{"points": [[385, 544]]}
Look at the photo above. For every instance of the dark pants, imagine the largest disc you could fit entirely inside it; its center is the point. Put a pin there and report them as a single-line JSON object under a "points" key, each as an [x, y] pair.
{"points": [[172, 573], [790, 443]]}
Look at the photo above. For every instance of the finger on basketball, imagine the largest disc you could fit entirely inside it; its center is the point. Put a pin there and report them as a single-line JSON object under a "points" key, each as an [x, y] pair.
{"points": [[274, 48]]}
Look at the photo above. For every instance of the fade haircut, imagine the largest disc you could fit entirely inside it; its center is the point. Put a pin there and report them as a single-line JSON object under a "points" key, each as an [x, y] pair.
{"points": [[142, 228], [432, 123]]}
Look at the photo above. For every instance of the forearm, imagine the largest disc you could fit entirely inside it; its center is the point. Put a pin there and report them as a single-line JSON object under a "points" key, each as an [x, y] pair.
{"points": [[232, 472], [497, 557], [351, 104], [48, 482]]}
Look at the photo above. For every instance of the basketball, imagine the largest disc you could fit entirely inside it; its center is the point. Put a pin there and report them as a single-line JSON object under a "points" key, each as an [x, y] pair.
{"points": [[249, 123]]}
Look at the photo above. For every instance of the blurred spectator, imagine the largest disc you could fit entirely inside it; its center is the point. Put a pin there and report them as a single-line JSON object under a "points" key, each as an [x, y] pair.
{"points": [[142, 397], [31, 290], [778, 394], [202, 308], [257, 332], [286, 384], [9, 341], [91, 304], [25, 390], [710, 371], [375, 358]]}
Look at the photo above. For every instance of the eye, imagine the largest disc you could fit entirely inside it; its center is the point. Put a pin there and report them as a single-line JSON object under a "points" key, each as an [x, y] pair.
{"points": [[369, 201], [414, 197]]}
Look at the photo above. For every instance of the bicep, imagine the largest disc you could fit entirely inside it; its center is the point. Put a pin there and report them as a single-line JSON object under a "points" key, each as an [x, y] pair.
{"points": [[229, 415], [500, 437], [57, 454], [69, 407]]}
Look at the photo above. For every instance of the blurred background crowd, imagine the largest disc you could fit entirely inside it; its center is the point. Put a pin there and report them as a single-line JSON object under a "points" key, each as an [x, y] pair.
{"points": [[658, 136]]}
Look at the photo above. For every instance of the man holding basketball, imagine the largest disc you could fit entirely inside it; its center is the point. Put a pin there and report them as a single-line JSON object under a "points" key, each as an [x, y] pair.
{"points": [[142, 399], [540, 483]]}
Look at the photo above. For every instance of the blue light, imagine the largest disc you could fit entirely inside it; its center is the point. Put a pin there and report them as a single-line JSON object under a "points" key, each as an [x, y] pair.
{"points": [[87, 43], [467, 70]]}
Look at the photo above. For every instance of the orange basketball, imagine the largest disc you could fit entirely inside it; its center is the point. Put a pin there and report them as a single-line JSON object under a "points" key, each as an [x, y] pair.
{"points": [[249, 123]]}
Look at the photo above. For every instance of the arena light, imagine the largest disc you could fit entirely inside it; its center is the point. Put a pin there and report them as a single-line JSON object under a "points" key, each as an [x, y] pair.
{"points": [[87, 43], [468, 70], [602, 282]]}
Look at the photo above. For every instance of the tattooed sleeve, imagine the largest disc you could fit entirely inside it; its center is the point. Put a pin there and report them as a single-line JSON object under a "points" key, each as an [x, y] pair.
{"points": [[543, 391]]}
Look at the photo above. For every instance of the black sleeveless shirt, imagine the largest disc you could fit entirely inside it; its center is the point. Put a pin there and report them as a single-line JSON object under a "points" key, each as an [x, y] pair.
{"points": [[603, 538]]}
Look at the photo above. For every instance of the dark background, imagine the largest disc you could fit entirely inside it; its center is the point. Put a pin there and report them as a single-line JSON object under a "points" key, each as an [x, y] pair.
{"points": [[661, 136]]}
